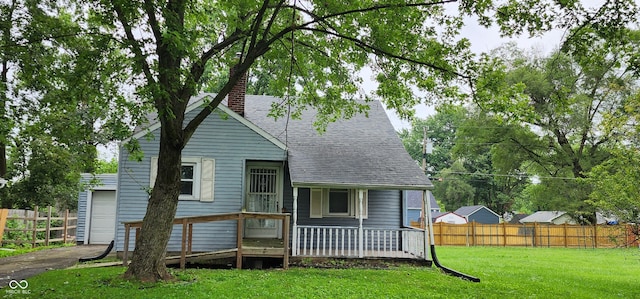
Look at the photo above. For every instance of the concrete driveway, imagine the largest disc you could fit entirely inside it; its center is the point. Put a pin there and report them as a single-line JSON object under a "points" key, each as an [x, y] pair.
{"points": [[23, 266]]}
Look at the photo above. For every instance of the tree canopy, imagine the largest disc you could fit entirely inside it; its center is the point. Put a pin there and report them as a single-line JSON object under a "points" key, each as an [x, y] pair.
{"points": [[86, 52]]}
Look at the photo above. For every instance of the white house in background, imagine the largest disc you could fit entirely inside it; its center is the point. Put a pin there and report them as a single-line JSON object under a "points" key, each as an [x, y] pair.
{"points": [[97, 209], [548, 217], [448, 217], [413, 206]]}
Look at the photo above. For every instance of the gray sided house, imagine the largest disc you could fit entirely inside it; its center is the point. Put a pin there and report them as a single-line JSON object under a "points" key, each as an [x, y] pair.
{"points": [[413, 206], [97, 209], [336, 183], [548, 217], [479, 214]]}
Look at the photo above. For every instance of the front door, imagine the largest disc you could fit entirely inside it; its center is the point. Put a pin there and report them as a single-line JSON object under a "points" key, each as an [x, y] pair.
{"points": [[264, 194]]}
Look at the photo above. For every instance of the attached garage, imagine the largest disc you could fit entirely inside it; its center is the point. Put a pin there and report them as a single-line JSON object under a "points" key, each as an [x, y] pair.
{"points": [[103, 215], [97, 210]]}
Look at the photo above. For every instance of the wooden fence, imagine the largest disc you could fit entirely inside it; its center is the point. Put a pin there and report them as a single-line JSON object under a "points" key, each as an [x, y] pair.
{"points": [[37, 227], [534, 235]]}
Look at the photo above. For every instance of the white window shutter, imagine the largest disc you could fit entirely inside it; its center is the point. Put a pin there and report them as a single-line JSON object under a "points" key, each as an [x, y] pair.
{"points": [[207, 178], [365, 203], [315, 203], [153, 171]]}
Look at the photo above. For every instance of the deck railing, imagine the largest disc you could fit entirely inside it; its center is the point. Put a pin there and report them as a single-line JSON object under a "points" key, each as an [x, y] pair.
{"points": [[187, 233], [344, 241]]}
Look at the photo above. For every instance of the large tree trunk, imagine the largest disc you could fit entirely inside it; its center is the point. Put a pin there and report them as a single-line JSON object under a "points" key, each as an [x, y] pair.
{"points": [[148, 262]]}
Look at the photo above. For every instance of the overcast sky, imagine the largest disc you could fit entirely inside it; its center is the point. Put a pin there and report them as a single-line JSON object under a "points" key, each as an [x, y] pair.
{"points": [[484, 40]]}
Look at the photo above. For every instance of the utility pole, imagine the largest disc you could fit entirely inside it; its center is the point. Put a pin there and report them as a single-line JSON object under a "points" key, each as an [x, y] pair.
{"points": [[427, 148], [423, 223], [424, 150]]}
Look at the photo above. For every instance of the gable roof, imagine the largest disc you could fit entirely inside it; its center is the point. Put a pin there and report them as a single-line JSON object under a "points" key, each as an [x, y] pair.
{"points": [[542, 216], [442, 214], [362, 152], [468, 210], [198, 102]]}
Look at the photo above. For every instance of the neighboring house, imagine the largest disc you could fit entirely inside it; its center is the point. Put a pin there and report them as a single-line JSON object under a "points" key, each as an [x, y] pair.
{"points": [[606, 218], [240, 159], [513, 218], [97, 209], [413, 204], [479, 214], [548, 217], [448, 217]]}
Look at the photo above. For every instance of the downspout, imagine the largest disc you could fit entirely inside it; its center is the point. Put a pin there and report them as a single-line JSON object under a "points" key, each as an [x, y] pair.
{"points": [[434, 257], [428, 223]]}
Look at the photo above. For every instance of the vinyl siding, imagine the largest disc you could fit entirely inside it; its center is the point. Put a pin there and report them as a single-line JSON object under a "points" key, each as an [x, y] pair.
{"points": [[107, 181], [385, 210], [224, 139], [484, 216]]}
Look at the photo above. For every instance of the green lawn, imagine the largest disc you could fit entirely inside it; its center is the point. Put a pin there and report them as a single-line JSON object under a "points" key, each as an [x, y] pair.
{"points": [[7, 252], [505, 273]]}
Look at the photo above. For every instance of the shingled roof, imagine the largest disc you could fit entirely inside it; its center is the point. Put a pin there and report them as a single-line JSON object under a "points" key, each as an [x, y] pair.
{"points": [[414, 200], [360, 152]]}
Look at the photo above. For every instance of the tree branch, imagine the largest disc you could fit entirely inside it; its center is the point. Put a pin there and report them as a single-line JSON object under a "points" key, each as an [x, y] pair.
{"points": [[153, 22], [139, 58], [272, 20], [537, 158], [241, 68], [256, 24], [381, 52], [198, 67], [366, 9]]}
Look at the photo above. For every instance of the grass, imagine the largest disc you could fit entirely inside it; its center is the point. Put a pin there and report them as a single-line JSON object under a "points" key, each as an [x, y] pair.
{"points": [[505, 273], [7, 252]]}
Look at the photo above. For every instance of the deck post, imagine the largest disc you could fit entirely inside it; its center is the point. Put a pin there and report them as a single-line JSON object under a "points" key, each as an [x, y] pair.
{"points": [[360, 229], [183, 252], [240, 229], [285, 235], [127, 230], [48, 227], [190, 238], [66, 219], [294, 235]]}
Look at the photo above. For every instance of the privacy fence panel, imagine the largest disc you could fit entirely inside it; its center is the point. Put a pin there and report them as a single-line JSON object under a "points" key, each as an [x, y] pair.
{"points": [[534, 235]]}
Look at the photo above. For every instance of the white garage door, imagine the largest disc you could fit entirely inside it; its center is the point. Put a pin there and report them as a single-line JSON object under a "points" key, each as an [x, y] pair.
{"points": [[103, 217]]}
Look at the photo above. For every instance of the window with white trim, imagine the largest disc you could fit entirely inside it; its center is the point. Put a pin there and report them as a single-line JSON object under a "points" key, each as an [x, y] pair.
{"points": [[338, 203], [344, 203], [196, 178], [189, 181]]}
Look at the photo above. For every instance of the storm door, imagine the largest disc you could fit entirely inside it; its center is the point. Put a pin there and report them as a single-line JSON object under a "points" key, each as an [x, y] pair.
{"points": [[264, 194]]}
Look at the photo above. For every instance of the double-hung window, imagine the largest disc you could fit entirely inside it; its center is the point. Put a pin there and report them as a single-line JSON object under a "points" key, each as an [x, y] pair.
{"points": [[330, 202], [338, 203], [189, 182], [196, 178]]}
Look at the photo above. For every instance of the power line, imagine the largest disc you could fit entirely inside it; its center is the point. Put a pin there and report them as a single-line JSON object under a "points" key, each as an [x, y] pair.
{"points": [[509, 175]]}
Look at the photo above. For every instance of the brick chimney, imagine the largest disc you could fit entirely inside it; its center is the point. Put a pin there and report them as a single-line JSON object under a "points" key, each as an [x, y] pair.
{"points": [[235, 99]]}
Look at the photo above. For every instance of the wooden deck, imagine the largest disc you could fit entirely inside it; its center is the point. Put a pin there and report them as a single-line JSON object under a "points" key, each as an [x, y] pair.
{"points": [[308, 241], [253, 247]]}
